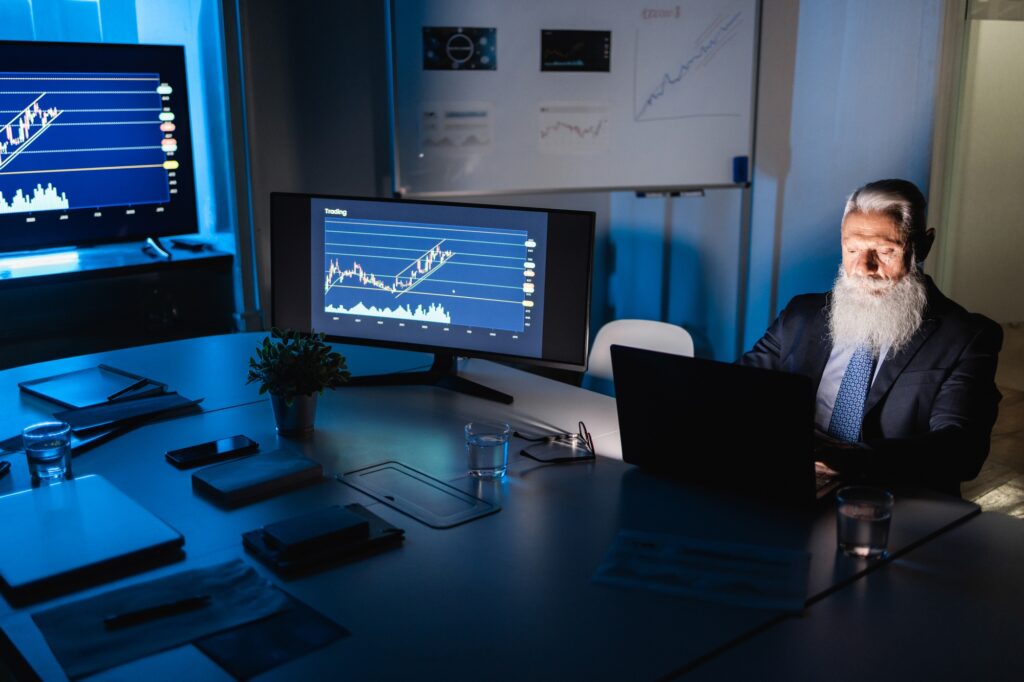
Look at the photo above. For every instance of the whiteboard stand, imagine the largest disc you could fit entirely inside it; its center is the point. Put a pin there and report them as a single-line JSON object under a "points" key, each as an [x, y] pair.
{"points": [[744, 267], [743, 256], [666, 255]]}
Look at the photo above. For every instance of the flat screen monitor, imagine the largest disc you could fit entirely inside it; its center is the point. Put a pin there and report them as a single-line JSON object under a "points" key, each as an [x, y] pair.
{"points": [[453, 279], [95, 144]]}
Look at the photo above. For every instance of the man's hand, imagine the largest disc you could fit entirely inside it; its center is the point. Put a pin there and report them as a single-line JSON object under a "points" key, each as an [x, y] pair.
{"points": [[845, 458]]}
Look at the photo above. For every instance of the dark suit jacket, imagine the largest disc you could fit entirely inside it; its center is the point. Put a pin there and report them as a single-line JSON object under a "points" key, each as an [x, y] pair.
{"points": [[930, 411]]}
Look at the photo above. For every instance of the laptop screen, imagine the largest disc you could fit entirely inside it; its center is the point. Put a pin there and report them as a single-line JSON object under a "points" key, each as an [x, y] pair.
{"points": [[725, 425]]}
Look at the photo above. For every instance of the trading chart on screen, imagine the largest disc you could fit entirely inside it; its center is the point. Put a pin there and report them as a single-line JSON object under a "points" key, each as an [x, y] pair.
{"points": [[74, 140], [435, 275], [472, 277]]}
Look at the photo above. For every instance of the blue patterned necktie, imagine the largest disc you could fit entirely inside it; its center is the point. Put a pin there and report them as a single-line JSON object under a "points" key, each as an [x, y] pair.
{"points": [[848, 412]]}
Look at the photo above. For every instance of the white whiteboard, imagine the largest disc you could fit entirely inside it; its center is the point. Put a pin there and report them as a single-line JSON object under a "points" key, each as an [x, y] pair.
{"points": [[494, 97]]}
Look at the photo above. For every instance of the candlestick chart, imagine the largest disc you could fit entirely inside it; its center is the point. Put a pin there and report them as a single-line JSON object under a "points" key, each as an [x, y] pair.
{"points": [[428, 273], [84, 140]]}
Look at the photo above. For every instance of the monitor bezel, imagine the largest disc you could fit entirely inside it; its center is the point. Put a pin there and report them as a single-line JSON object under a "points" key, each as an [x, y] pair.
{"points": [[166, 231], [449, 350]]}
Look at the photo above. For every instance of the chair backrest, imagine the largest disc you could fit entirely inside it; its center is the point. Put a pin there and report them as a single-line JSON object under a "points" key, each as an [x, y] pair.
{"points": [[646, 334]]}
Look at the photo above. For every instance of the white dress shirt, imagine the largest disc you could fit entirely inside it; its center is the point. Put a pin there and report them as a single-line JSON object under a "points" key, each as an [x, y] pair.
{"points": [[828, 389]]}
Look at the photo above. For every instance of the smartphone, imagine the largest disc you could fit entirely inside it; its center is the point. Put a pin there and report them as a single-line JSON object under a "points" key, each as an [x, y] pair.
{"points": [[213, 451]]}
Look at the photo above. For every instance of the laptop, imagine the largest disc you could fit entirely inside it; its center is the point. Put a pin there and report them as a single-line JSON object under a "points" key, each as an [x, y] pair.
{"points": [[726, 426], [71, 535]]}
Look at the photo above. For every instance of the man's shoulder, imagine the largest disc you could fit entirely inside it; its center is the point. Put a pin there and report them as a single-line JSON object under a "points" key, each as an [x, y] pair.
{"points": [[806, 306], [957, 318]]}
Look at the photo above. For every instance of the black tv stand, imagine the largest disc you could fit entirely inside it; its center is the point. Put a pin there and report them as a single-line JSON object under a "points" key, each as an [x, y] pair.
{"points": [[443, 373]]}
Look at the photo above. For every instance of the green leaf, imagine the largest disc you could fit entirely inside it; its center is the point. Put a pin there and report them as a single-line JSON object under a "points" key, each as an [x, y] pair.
{"points": [[290, 363]]}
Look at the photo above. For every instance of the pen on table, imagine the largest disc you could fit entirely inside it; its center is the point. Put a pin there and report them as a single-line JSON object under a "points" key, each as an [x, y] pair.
{"points": [[138, 384], [121, 620]]}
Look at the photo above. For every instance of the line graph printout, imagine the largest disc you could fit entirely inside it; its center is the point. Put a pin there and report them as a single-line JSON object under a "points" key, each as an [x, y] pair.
{"points": [[682, 69], [573, 128], [73, 140], [417, 279], [456, 128]]}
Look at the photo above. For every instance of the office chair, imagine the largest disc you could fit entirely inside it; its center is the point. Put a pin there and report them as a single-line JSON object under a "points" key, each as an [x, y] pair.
{"points": [[647, 334]]}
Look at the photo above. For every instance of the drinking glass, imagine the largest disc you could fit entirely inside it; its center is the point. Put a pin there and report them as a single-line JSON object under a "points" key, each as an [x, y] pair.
{"points": [[487, 448], [48, 448], [862, 520]]}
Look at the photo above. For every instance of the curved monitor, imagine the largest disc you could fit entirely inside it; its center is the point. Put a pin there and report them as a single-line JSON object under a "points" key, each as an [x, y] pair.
{"points": [[95, 144], [448, 278]]}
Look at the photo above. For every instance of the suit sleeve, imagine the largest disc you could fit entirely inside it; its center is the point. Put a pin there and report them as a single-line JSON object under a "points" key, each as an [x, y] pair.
{"points": [[960, 425], [766, 353]]}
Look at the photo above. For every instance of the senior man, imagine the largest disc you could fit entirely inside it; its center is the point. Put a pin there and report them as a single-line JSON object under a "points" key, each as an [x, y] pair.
{"points": [[905, 377]]}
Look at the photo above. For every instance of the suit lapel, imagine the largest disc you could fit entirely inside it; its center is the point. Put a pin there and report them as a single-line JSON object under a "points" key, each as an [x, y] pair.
{"points": [[893, 366], [817, 346]]}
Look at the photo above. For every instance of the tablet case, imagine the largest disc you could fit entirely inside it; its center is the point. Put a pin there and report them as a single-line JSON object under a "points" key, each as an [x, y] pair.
{"points": [[330, 548], [63, 537], [90, 386], [257, 477], [301, 534], [419, 495], [119, 412]]}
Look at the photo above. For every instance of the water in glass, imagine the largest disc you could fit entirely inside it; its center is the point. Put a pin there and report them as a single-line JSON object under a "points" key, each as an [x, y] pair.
{"points": [[863, 530], [487, 453], [48, 449]]}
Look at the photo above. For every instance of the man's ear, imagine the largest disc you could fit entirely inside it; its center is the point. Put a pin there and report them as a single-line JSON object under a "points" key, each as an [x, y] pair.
{"points": [[924, 246]]}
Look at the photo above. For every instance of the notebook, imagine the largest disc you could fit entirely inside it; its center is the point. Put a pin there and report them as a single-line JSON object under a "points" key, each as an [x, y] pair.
{"points": [[257, 477]]}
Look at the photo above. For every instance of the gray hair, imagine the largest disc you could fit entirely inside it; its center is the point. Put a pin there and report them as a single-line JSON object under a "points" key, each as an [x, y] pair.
{"points": [[900, 200]]}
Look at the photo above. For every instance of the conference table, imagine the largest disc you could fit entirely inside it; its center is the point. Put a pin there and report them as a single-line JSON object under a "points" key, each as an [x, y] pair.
{"points": [[510, 595]]}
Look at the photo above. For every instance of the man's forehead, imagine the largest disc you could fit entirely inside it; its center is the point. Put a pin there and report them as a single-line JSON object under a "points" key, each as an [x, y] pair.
{"points": [[871, 226]]}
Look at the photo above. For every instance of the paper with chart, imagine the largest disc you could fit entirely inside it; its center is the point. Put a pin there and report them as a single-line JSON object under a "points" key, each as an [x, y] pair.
{"points": [[741, 575]]}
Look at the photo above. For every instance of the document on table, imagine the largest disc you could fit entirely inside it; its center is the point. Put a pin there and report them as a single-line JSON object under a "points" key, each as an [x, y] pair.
{"points": [[742, 575]]}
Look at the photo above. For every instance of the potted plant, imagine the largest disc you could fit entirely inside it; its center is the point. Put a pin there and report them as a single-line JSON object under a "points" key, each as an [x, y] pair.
{"points": [[295, 368]]}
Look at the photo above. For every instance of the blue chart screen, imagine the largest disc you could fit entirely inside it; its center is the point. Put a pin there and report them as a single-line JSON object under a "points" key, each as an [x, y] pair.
{"points": [[84, 140], [444, 276], [430, 273]]}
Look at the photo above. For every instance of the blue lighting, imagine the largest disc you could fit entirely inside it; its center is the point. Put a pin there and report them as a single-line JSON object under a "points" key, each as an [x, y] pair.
{"points": [[39, 260]]}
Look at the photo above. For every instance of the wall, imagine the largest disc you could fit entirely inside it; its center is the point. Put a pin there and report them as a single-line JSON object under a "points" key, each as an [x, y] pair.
{"points": [[862, 109], [316, 90], [984, 241], [198, 25]]}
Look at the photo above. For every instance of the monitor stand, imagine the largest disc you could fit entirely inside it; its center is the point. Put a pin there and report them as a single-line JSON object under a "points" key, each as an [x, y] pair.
{"points": [[153, 247], [443, 373]]}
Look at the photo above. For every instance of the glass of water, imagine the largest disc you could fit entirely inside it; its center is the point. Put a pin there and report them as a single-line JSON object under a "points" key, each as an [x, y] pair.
{"points": [[862, 520], [487, 448], [48, 448]]}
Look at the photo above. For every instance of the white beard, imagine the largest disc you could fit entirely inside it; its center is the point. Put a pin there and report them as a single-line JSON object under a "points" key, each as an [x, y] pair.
{"points": [[876, 313]]}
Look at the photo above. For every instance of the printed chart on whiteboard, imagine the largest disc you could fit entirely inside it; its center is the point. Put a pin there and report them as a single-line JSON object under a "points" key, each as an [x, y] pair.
{"points": [[581, 94]]}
